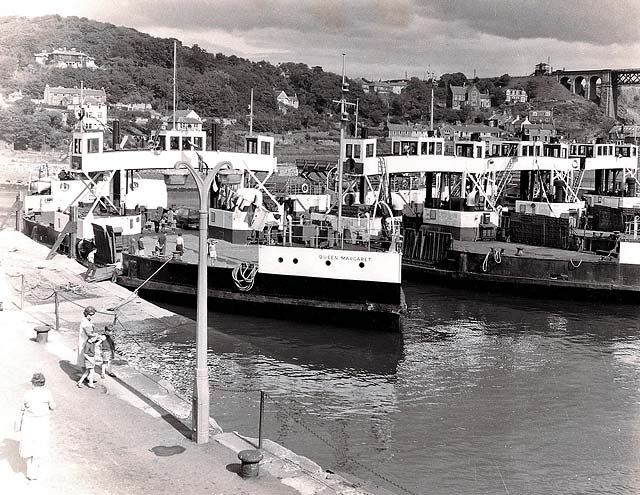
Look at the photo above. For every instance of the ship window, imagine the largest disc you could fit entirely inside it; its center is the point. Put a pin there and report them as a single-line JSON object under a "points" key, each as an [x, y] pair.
{"points": [[396, 148], [356, 151], [361, 264], [438, 148], [265, 148], [328, 263], [423, 149], [280, 260], [252, 146], [349, 151], [369, 150], [295, 261], [564, 153], [93, 145], [77, 146], [197, 143], [431, 148], [186, 143], [478, 151], [174, 143]]}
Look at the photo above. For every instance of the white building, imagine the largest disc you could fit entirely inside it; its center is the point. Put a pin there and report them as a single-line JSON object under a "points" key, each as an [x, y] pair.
{"points": [[62, 97], [185, 120], [63, 58], [93, 113], [515, 95], [285, 102]]}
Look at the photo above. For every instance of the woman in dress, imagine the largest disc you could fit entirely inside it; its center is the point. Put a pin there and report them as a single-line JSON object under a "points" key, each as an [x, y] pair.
{"points": [[34, 427], [86, 330]]}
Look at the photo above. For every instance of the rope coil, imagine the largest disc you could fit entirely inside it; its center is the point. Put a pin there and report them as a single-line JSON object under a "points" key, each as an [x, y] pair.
{"points": [[244, 276]]}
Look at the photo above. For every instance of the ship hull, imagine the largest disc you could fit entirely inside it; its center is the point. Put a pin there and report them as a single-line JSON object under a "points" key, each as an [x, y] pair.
{"points": [[367, 304]]}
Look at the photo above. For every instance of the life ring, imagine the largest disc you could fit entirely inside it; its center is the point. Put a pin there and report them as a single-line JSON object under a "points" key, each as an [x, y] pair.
{"points": [[134, 185], [575, 165], [304, 188], [64, 186]]}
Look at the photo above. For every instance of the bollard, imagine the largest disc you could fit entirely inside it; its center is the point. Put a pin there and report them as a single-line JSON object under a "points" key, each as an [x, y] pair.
{"points": [[250, 463], [42, 334]]}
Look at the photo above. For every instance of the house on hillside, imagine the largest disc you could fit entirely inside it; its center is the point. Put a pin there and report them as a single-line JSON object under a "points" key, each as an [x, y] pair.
{"points": [[500, 119], [459, 96], [63, 58], [540, 116], [542, 69], [185, 120], [285, 102], [92, 111], [515, 95], [62, 97], [388, 87], [469, 131], [133, 107], [624, 133], [407, 130]]}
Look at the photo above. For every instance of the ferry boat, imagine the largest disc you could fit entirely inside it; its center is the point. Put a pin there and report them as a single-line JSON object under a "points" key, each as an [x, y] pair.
{"points": [[463, 223], [303, 266]]}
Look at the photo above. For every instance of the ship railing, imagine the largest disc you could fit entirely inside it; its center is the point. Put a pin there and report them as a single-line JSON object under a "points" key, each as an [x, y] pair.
{"points": [[324, 236]]}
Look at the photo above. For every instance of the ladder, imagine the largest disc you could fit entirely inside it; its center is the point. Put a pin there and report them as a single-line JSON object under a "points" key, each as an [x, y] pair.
{"points": [[505, 176]]}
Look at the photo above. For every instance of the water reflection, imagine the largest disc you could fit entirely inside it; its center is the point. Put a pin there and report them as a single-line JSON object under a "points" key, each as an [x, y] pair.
{"points": [[482, 393]]}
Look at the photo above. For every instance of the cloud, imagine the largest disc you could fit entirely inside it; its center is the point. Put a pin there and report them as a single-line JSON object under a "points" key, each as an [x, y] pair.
{"points": [[386, 38]]}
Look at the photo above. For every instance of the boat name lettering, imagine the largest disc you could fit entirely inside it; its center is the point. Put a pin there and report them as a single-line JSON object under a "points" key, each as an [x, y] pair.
{"points": [[343, 258]]}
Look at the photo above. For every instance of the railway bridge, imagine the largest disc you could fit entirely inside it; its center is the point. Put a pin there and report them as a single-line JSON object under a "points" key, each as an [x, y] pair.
{"points": [[599, 85]]}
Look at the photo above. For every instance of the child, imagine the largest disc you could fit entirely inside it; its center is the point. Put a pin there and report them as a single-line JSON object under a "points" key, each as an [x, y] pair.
{"points": [[90, 361], [108, 348], [91, 268], [180, 245]]}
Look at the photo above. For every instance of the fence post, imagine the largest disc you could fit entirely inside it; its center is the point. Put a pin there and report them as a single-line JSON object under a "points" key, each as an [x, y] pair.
{"points": [[56, 301], [260, 423], [21, 291]]}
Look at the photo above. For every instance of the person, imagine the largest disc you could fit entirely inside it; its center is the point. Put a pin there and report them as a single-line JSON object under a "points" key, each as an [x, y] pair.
{"points": [[161, 245], [180, 245], [108, 351], [87, 330], [91, 268], [171, 219], [90, 361], [211, 251], [133, 245], [140, 245], [34, 426], [163, 222]]}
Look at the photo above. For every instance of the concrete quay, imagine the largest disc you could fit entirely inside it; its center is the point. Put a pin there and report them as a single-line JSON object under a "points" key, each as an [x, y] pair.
{"points": [[130, 435]]}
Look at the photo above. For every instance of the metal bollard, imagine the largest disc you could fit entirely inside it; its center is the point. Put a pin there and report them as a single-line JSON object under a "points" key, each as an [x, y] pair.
{"points": [[250, 463], [42, 334]]}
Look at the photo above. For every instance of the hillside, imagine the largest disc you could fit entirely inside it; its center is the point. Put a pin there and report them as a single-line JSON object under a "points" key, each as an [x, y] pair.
{"points": [[137, 67], [574, 116]]}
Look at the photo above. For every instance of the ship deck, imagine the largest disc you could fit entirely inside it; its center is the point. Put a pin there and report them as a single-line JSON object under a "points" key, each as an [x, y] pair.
{"points": [[536, 252]]}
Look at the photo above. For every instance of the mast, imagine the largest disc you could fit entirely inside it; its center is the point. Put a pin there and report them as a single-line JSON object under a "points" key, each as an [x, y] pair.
{"points": [[174, 85], [251, 115], [343, 122], [431, 112]]}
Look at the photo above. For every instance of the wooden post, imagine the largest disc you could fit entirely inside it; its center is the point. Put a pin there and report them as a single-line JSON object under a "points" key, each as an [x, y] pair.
{"points": [[57, 302]]}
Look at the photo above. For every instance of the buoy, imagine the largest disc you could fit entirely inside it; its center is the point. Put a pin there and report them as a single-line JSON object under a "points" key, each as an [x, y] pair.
{"points": [[304, 188]]}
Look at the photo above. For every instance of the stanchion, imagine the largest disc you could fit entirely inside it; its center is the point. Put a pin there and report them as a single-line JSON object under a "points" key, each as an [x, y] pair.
{"points": [[21, 291], [56, 301], [260, 422]]}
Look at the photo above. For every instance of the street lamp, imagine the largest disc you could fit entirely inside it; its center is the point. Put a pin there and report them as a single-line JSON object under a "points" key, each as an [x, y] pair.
{"points": [[200, 400]]}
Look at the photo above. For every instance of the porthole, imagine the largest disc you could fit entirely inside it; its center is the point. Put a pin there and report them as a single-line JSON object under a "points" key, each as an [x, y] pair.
{"points": [[280, 260], [328, 263], [295, 261], [361, 265]]}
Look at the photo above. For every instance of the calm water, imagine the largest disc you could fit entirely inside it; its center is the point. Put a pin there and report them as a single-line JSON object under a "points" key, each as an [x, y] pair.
{"points": [[480, 394]]}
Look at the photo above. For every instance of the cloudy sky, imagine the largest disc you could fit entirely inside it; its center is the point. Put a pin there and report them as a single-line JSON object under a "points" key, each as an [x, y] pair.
{"points": [[384, 38]]}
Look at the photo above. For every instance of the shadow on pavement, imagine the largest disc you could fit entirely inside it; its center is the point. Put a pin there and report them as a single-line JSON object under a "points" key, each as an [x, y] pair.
{"points": [[234, 467], [71, 370], [10, 451]]}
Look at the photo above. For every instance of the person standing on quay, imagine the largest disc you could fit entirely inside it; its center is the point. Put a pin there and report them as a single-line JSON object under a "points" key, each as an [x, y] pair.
{"points": [[34, 426], [108, 351], [90, 361], [180, 245], [87, 330], [91, 269]]}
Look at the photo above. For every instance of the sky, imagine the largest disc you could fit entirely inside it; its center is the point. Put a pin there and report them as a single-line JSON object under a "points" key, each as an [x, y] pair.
{"points": [[384, 39]]}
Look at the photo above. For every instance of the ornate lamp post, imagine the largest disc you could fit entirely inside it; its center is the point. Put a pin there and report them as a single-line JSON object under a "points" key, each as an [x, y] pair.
{"points": [[200, 400]]}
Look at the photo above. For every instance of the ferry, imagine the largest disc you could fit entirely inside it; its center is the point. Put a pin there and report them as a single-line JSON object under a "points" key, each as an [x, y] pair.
{"points": [[301, 267], [512, 214]]}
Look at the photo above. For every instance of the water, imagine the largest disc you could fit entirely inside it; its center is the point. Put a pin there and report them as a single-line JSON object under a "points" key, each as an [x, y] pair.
{"points": [[482, 393]]}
